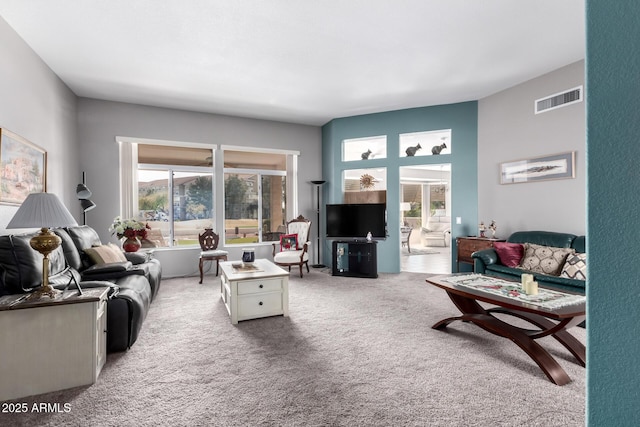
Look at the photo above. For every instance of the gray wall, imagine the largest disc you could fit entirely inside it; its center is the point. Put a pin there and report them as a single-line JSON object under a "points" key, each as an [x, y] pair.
{"points": [[39, 107], [99, 122], [509, 130]]}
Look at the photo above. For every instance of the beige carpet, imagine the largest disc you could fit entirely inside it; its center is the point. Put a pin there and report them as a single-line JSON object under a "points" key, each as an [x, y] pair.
{"points": [[354, 352]]}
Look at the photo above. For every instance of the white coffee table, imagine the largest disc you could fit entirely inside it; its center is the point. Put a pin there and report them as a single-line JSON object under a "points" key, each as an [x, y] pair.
{"points": [[251, 293]]}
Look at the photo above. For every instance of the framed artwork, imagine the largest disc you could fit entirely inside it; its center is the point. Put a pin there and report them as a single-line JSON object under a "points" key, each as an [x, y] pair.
{"points": [[23, 168], [557, 166]]}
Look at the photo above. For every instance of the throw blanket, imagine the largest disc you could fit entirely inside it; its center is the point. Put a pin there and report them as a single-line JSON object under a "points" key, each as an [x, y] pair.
{"points": [[545, 298]]}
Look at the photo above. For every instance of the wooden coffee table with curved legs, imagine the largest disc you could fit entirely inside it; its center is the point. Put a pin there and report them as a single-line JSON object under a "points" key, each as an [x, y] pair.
{"points": [[548, 321]]}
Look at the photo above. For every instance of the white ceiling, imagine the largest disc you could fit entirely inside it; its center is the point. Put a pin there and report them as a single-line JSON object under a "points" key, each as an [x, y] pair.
{"points": [[298, 61]]}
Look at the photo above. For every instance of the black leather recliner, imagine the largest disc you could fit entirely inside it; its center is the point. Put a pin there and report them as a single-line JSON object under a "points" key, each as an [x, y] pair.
{"points": [[131, 290], [76, 239]]}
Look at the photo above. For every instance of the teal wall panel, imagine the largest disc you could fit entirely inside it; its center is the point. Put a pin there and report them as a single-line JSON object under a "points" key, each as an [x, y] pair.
{"points": [[461, 118], [613, 201]]}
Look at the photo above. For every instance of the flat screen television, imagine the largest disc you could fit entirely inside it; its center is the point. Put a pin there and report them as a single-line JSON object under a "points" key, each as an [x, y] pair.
{"points": [[354, 221]]}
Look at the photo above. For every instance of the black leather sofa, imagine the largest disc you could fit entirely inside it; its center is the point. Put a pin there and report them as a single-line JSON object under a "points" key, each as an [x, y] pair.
{"points": [[133, 284]]}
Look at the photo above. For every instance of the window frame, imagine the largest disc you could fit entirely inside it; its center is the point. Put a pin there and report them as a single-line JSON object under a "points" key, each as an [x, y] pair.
{"points": [[128, 155], [170, 169], [291, 183]]}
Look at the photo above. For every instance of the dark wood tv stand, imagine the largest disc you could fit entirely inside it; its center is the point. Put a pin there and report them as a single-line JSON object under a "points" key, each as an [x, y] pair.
{"points": [[355, 258]]}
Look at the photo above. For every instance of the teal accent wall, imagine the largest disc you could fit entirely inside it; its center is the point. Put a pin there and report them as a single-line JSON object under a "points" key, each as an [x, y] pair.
{"points": [[461, 118], [613, 219]]}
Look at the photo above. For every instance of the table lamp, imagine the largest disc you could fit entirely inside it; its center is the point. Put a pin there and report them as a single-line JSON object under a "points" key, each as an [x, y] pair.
{"points": [[43, 210]]}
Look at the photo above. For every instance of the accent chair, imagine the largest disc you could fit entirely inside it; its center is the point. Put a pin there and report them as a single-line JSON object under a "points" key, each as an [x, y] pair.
{"points": [[294, 254], [209, 249]]}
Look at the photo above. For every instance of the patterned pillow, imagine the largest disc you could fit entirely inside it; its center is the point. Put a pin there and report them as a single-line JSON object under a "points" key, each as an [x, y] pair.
{"points": [[105, 254], [544, 259], [575, 267], [289, 242]]}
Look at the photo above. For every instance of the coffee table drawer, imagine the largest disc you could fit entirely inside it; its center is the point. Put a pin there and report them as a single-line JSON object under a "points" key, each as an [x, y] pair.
{"points": [[259, 305], [258, 286]]}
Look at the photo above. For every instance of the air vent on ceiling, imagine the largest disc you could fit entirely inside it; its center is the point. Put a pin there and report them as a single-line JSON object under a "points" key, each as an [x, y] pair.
{"points": [[558, 100]]}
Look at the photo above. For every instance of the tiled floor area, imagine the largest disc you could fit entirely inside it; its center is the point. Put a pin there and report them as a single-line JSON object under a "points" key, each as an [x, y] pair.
{"points": [[436, 260]]}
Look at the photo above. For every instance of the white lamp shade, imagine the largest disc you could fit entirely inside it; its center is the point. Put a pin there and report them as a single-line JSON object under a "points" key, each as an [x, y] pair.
{"points": [[42, 210]]}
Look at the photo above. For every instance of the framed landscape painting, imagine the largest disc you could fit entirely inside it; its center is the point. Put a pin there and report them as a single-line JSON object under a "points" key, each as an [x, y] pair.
{"points": [[23, 168], [557, 166]]}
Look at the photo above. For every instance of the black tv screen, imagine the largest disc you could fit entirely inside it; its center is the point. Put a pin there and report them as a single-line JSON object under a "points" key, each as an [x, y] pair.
{"points": [[356, 220]]}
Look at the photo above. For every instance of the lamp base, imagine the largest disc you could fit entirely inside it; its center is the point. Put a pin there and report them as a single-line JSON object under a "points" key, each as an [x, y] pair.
{"points": [[42, 291], [44, 242], [318, 266]]}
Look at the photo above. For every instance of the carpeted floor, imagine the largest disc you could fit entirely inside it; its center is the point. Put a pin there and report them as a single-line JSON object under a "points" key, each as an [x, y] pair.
{"points": [[354, 352]]}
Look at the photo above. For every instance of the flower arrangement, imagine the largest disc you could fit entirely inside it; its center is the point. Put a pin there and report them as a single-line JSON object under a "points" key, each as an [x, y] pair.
{"points": [[129, 228]]}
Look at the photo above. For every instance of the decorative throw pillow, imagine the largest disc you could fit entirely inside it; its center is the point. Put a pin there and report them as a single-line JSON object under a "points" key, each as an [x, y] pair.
{"points": [[575, 267], [510, 254], [289, 242], [544, 259], [119, 252], [105, 254]]}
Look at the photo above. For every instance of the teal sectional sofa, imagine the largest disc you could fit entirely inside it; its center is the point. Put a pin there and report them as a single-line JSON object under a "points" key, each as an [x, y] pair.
{"points": [[488, 262]]}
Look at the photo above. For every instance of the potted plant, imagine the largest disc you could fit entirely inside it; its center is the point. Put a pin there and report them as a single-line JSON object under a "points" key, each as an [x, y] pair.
{"points": [[131, 230]]}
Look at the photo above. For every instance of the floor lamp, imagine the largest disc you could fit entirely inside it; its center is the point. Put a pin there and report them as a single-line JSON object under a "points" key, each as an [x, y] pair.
{"points": [[318, 184], [83, 193]]}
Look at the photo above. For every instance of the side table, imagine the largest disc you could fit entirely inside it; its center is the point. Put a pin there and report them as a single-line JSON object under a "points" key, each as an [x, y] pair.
{"points": [[53, 343]]}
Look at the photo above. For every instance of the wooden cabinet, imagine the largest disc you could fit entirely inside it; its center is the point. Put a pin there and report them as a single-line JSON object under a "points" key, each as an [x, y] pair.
{"points": [[261, 291], [468, 245], [52, 344], [355, 258], [371, 196]]}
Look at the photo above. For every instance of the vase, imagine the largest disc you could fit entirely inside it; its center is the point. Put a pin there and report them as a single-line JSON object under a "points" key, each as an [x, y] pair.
{"points": [[248, 255], [131, 244]]}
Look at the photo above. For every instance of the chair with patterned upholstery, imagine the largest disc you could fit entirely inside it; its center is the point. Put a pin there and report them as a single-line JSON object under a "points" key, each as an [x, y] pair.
{"points": [[209, 249], [294, 245]]}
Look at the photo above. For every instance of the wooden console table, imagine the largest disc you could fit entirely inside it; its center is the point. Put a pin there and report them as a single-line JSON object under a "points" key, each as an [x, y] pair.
{"points": [[52, 344], [468, 245]]}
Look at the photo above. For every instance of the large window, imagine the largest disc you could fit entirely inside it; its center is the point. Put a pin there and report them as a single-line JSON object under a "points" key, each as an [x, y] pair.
{"points": [[245, 194], [255, 196], [175, 193]]}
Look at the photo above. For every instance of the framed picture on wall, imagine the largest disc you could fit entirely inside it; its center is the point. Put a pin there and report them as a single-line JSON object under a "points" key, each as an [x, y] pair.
{"points": [[557, 166], [23, 168]]}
